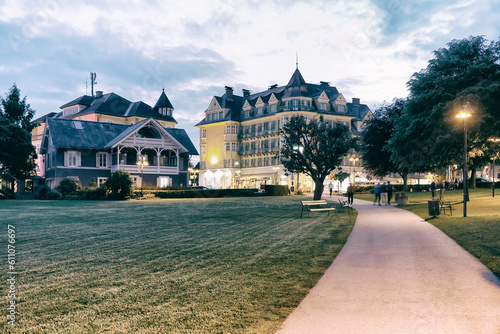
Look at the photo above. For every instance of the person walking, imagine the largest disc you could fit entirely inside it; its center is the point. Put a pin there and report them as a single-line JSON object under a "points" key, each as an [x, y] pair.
{"points": [[330, 186], [389, 192], [376, 191], [383, 194], [350, 194], [433, 188]]}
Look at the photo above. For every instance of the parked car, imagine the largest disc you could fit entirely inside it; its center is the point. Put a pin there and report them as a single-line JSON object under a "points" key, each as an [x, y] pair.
{"points": [[199, 188]]}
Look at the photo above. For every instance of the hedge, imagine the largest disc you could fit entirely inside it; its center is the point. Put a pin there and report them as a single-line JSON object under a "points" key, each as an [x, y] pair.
{"points": [[276, 190], [208, 193]]}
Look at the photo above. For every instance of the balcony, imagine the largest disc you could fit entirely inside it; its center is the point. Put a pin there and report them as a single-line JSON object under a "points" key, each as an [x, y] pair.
{"points": [[135, 169]]}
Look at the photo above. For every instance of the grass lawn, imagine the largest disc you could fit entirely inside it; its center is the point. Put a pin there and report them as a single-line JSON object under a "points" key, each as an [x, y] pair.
{"points": [[478, 233], [229, 265]]}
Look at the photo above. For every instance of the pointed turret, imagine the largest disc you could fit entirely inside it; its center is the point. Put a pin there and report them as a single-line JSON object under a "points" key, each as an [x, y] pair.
{"points": [[296, 79], [163, 105], [163, 102]]}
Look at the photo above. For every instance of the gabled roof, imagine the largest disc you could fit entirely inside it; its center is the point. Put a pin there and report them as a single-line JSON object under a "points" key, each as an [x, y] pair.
{"points": [[82, 100], [44, 118], [233, 103], [163, 102], [75, 134]]}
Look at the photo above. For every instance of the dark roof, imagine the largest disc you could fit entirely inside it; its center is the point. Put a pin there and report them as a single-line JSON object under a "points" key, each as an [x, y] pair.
{"points": [[234, 103], [82, 100], [296, 79], [43, 119], [163, 102], [296, 87], [114, 105], [182, 137], [97, 135]]}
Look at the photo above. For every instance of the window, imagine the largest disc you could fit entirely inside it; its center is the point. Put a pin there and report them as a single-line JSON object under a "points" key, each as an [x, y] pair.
{"points": [[101, 180], [202, 165], [203, 149], [203, 133], [274, 108], [101, 159], [209, 117], [234, 146], [72, 158], [234, 129], [221, 115], [226, 163], [227, 147], [214, 116], [341, 108], [227, 129]]}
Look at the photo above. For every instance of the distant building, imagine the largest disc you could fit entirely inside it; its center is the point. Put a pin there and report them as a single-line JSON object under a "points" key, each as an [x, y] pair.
{"points": [[239, 136], [94, 136]]}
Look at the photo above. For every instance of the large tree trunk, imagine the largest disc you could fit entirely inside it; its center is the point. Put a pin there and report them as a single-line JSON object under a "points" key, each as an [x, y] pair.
{"points": [[404, 175], [473, 177], [318, 189]]}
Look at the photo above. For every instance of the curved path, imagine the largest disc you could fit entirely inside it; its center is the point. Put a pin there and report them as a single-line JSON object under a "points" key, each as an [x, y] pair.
{"points": [[399, 274]]}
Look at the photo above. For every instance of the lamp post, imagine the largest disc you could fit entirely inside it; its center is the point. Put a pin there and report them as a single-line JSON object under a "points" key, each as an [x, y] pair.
{"points": [[494, 140], [465, 113], [143, 161]]}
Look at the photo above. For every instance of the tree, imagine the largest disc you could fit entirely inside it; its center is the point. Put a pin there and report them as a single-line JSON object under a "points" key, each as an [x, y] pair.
{"points": [[17, 155], [340, 176], [68, 187], [427, 135], [315, 148], [377, 133], [120, 184], [16, 109]]}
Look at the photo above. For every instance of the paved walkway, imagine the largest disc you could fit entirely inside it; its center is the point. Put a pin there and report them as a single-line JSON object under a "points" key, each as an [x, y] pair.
{"points": [[399, 274]]}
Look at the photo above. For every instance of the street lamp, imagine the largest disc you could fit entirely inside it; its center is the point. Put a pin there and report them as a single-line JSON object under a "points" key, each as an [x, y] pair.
{"points": [[465, 113], [143, 161], [494, 140]]}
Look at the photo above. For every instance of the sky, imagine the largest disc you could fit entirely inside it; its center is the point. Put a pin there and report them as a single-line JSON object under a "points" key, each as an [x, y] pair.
{"points": [[368, 49]]}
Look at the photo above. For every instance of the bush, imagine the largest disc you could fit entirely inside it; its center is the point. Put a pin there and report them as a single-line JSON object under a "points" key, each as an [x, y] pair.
{"points": [[93, 194], [53, 195], [209, 193], [68, 187], [43, 190], [276, 190], [120, 184]]}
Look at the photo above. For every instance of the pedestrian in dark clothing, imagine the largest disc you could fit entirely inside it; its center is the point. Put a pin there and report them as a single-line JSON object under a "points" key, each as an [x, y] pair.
{"points": [[383, 194], [433, 188], [389, 192], [376, 191], [350, 194]]}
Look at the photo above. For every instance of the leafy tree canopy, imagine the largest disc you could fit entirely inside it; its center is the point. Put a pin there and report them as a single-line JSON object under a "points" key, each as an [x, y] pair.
{"points": [[315, 148], [427, 135], [377, 133], [16, 109], [16, 152]]}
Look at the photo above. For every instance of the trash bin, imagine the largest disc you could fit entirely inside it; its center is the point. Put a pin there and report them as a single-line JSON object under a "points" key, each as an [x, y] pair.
{"points": [[433, 208]]}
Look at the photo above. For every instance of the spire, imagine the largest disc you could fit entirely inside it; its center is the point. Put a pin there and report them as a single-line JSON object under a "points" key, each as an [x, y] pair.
{"points": [[296, 79], [163, 102], [296, 60]]}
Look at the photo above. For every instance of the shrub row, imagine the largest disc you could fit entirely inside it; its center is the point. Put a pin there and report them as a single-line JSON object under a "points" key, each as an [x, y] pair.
{"points": [[208, 193], [276, 190]]}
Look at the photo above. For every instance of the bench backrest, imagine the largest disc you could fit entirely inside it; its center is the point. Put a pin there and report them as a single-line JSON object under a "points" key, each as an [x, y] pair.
{"points": [[320, 202]]}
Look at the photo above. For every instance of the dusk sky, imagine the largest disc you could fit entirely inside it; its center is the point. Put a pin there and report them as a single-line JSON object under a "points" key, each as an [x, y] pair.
{"points": [[367, 49]]}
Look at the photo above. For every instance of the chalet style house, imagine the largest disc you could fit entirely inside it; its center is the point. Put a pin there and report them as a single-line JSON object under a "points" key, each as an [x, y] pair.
{"points": [[95, 136], [239, 136]]}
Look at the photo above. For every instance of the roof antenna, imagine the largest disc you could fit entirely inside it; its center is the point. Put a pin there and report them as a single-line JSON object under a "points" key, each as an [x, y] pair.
{"points": [[93, 75], [297, 59]]}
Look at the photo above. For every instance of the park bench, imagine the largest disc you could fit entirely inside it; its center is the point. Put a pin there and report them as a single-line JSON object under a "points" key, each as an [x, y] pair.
{"points": [[342, 205], [445, 205], [313, 206]]}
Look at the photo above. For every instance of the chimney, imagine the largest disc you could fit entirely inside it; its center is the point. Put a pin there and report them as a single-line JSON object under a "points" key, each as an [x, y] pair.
{"points": [[229, 92], [273, 86], [246, 93], [355, 101], [324, 83], [98, 94]]}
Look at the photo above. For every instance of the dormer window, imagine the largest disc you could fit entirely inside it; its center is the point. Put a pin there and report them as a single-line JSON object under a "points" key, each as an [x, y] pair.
{"points": [[341, 108]]}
